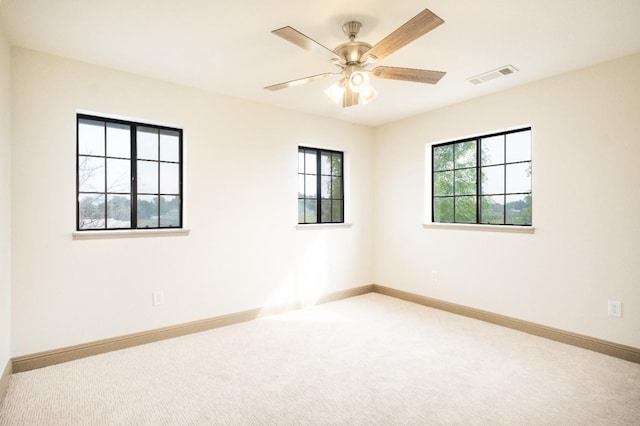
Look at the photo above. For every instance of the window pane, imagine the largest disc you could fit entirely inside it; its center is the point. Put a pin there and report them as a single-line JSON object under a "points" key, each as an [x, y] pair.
{"points": [[148, 177], [518, 210], [519, 146], [91, 211], [118, 211], [492, 150], [310, 186], [465, 182], [169, 211], [325, 211], [492, 180], [492, 209], [300, 161], [337, 209], [147, 143], [91, 174], [443, 183], [169, 146], [465, 154], [443, 157], [310, 163], [90, 137], [336, 188], [443, 209], [325, 163], [465, 209], [336, 164], [310, 211], [118, 175], [147, 211], [519, 177], [169, 178], [300, 210], [300, 186], [118, 140], [325, 187]]}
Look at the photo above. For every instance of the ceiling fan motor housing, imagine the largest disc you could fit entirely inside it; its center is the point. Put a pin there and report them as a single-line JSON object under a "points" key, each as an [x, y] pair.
{"points": [[352, 51]]}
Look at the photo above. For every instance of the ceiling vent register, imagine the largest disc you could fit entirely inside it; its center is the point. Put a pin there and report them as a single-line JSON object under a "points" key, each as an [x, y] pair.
{"points": [[491, 75]]}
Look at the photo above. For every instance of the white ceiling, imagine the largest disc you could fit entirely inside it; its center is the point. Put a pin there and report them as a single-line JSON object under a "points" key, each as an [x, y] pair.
{"points": [[227, 46]]}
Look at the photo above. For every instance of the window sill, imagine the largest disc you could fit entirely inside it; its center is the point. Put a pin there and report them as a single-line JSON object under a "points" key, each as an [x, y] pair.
{"points": [[310, 226], [134, 233], [486, 228]]}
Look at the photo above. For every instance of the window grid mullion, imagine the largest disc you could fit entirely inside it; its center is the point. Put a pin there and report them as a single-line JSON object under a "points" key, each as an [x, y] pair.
{"points": [[504, 183], [342, 186], [454, 182], [133, 131], [318, 187], [330, 187], [478, 178], [104, 159], [158, 164]]}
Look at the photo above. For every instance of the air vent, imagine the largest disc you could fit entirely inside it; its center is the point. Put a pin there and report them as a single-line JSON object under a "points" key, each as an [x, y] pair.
{"points": [[500, 72]]}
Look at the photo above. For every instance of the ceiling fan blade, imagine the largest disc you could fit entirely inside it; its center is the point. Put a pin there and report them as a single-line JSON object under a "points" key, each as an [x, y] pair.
{"points": [[299, 81], [296, 37], [408, 74], [417, 26]]}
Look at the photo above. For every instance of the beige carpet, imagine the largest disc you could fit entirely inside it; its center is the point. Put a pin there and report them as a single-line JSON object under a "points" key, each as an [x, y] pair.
{"points": [[368, 360]]}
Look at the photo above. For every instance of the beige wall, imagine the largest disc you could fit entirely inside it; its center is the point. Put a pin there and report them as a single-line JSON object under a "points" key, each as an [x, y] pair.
{"points": [[5, 201], [586, 199], [240, 204], [244, 251]]}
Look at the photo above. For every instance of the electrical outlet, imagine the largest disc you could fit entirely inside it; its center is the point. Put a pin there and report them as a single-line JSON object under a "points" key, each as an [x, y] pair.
{"points": [[158, 298], [614, 308], [434, 275]]}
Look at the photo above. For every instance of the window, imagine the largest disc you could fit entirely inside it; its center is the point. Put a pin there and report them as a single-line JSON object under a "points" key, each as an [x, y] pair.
{"points": [[483, 180], [320, 186], [129, 175]]}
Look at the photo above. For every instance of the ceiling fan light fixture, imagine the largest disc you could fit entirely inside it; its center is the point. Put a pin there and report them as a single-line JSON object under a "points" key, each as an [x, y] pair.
{"points": [[368, 95], [359, 81], [336, 91]]}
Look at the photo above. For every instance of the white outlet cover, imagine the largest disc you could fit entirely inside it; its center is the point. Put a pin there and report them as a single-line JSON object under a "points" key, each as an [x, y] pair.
{"points": [[158, 297], [614, 308]]}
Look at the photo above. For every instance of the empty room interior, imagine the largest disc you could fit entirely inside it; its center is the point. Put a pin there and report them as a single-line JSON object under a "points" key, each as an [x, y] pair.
{"points": [[354, 177]]}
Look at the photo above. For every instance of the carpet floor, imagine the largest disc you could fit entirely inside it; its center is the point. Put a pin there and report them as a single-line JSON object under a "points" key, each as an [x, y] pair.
{"points": [[366, 360]]}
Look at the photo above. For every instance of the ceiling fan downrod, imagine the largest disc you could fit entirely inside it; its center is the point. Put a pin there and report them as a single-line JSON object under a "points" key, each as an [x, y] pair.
{"points": [[351, 51]]}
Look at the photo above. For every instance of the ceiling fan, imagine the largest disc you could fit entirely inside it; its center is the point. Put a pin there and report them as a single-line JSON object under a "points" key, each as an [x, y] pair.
{"points": [[355, 58]]}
